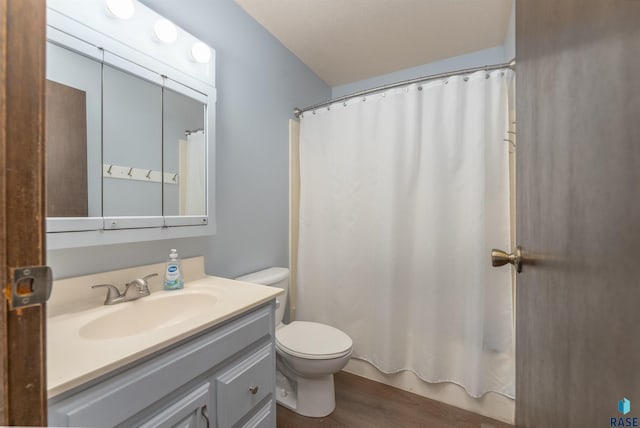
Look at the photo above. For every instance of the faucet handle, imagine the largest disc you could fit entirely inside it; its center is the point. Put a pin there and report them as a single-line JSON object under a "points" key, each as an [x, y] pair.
{"points": [[112, 292], [149, 276], [141, 284]]}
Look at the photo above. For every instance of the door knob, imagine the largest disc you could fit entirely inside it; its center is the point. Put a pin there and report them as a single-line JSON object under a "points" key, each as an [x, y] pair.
{"points": [[500, 258]]}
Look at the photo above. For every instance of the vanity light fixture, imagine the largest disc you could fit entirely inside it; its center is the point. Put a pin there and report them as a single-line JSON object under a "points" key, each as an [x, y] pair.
{"points": [[165, 31], [122, 9], [200, 52]]}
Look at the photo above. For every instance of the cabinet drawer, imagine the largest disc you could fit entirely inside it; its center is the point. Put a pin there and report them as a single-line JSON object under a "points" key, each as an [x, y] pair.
{"points": [[242, 386]]}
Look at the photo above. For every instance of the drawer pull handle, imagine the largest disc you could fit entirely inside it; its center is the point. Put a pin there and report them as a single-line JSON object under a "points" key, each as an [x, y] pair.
{"points": [[205, 415], [253, 389]]}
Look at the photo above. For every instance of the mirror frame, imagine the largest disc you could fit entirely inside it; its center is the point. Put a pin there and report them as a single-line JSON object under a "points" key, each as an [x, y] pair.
{"points": [[127, 46]]}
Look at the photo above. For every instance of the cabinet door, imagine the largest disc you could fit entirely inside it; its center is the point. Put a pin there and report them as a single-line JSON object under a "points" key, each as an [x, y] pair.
{"points": [[74, 138], [189, 411], [131, 138]]}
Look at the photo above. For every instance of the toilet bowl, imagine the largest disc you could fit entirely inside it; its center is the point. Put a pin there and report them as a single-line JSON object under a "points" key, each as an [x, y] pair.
{"points": [[307, 354]]}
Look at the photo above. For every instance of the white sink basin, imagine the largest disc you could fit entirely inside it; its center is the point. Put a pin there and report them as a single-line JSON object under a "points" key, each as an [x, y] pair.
{"points": [[148, 314]]}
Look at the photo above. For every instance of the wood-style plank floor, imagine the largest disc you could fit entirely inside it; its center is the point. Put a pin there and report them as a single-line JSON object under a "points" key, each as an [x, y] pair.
{"points": [[363, 403]]}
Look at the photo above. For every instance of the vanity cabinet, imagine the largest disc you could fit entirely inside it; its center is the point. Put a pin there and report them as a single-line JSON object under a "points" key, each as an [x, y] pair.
{"points": [[222, 377]]}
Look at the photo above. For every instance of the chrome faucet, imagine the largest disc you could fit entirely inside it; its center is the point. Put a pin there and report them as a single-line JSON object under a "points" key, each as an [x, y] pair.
{"points": [[114, 296]]}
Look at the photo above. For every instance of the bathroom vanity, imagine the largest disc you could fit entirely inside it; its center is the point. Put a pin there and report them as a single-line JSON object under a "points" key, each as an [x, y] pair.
{"points": [[200, 357], [131, 145]]}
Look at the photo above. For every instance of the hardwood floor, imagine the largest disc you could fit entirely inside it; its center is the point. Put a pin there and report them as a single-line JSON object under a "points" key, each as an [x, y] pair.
{"points": [[363, 403]]}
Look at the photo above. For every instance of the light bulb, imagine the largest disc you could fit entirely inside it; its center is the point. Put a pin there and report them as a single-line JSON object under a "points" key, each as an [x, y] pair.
{"points": [[122, 9], [165, 31], [200, 52]]}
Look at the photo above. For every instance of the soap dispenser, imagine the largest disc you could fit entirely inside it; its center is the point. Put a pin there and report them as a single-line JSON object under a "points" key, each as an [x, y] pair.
{"points": [[173, 273]]}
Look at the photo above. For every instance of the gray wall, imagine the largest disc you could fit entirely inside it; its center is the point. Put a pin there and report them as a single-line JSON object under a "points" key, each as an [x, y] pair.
{"points": [[495, 55], [259, 82], [510, 37]]}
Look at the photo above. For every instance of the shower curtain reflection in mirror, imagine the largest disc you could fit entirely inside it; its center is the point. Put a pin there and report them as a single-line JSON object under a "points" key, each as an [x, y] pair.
{"points": [[184, 153], [192, 173]]}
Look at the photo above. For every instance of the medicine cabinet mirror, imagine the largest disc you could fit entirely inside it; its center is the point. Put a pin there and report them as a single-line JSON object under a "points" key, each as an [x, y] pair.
{"points": [[129, 135]]}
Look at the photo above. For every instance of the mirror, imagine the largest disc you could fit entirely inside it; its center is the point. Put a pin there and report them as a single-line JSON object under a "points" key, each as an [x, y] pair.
{"points": [[73, 131], [184, 151], [121, 145], [130, 130], [132, 145]]}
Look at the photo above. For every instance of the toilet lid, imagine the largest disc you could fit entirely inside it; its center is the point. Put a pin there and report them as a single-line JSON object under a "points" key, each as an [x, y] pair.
{"points": [[313, 340]]}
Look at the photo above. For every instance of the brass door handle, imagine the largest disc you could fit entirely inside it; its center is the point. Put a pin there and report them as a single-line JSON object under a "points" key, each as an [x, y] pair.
{"points": [[500, 258]]}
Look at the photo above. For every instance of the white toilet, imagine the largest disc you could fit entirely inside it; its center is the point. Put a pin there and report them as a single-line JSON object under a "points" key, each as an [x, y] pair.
{"points": [[308, 354]]}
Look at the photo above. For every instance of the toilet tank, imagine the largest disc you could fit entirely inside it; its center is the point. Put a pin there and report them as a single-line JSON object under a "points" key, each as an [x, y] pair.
{"points": [[273, 277]]}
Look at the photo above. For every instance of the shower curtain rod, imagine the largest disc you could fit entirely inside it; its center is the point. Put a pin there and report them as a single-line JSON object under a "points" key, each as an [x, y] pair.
{"points": [[511, 64]]}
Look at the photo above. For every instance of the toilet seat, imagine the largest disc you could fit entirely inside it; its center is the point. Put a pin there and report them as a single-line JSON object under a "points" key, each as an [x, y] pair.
{"points": [[312, 340]]}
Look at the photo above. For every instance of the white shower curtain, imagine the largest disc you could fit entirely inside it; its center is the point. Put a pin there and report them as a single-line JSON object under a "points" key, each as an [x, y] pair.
{"points": [[192, 175], [403, 195]]}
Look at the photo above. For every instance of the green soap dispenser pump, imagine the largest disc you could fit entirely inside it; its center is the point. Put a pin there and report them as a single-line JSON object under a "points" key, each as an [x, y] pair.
{"points": [[173, 272]]}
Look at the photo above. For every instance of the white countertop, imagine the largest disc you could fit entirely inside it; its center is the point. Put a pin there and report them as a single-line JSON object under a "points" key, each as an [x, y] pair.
{"points": [[73, 359]]}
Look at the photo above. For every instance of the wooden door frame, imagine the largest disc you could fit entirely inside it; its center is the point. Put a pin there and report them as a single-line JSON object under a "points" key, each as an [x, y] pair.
{"points": [[23, 389], [4, 401]]}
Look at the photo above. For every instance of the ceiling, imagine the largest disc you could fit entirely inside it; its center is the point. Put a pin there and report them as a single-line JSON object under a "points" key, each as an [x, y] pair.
{"points": [[344, 41]]}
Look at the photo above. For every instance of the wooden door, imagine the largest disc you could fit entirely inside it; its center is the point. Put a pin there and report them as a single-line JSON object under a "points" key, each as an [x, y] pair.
{"points": [[578, 211], [22, 344]]}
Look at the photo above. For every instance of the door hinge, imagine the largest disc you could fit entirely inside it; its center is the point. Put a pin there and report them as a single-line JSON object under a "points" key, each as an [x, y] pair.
{"points": [[30, 286]]}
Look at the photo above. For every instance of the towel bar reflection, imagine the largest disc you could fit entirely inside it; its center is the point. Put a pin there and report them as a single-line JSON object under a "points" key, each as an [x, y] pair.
{"points": [[139, 174]]}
